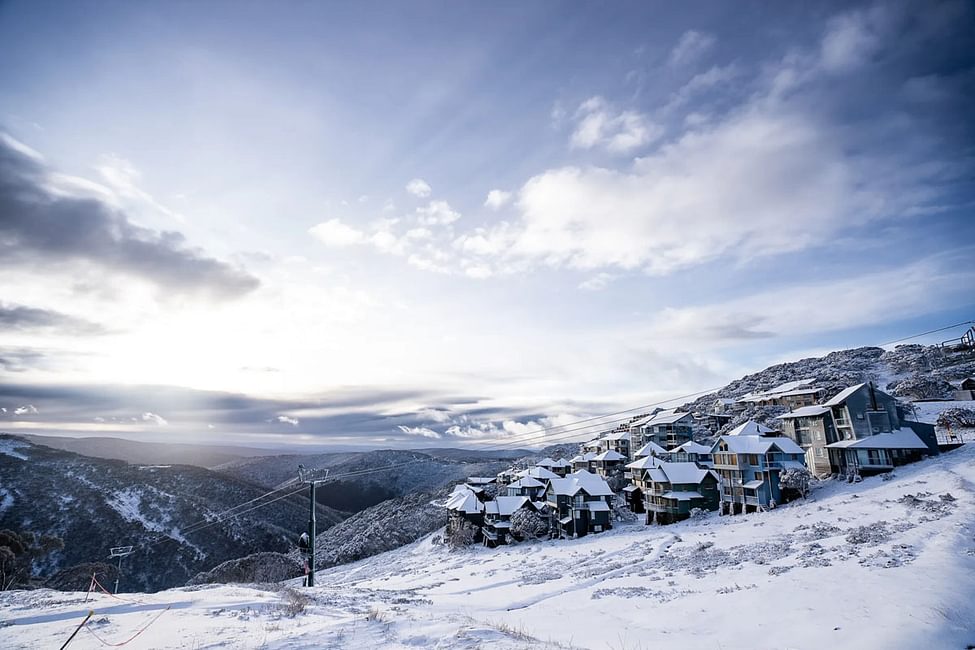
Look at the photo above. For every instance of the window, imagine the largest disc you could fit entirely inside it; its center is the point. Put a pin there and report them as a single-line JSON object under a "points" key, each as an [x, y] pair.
{"points": [[759, 476], [820, 452]]}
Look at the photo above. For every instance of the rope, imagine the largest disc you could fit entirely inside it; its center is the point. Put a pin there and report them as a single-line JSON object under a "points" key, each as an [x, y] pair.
{"points": [[124, 600], [131, 638]]}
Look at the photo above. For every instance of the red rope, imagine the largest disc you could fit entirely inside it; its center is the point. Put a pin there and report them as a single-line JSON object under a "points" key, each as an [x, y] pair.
{"points": [[131, 638], [124, 600]]}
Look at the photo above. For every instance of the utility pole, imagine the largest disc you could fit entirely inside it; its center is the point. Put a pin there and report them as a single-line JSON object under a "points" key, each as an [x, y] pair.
{"points": [[312, 522], [119, 552]]}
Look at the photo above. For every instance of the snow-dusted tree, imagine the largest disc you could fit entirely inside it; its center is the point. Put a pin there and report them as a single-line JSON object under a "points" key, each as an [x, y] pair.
{"points": [[957, 418], [528, 524], [621, 510], [461, 535], [797, 479]]}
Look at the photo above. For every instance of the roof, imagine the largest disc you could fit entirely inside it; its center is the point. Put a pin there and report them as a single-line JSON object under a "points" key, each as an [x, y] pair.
{"points": [[598, 506], [609, 456], [526, 482], [804, 412], [464, 501], [504, 506], [539, 473], [691, 447], [630, 488], [565, 520], [561, 463], [481, 480], [899, 439], [617, 435], [750, 428], [753, 484], [792, 464], [758, 444], [683, 496], [683, 473], [649, 449], [843, 395], [582, 480], [666, 417], [644, 463], [545, 462]]}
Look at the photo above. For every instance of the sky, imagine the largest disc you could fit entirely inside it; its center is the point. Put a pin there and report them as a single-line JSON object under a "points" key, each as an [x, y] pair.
{"points": [[421, 223]]}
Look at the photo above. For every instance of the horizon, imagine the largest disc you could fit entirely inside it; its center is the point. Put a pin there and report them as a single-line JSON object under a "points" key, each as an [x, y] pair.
{"points": [[443, 224]]}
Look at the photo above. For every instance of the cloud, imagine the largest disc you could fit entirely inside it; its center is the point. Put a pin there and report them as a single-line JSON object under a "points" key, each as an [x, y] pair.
{"points": [[158, 420], [41, 227], [497, 199], [418, 188], [27, 409], [691, 47], [599, 125], [597, 282], [851, 38], [20, 318], [436, 213], [423, 432], [21, 359], [335, 233], [284, 419]]}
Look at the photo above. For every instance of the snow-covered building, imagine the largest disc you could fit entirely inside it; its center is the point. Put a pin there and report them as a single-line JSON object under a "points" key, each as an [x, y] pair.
{"points": [[497, 517], [580, 504], [792, 395], [748, 467], [464, 504], [668, 429], [964, 390], [608, 463], [539, 473], [560, 466], [634, 492], [618, 441], [839, 436], [584, 461], [692, 452], [672, 490], [526, 486], [651, 449]]}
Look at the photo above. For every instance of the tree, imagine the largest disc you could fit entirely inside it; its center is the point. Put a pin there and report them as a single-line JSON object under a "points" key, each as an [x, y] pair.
{"points": [[460, 535], [528, 524], [18, 552]]}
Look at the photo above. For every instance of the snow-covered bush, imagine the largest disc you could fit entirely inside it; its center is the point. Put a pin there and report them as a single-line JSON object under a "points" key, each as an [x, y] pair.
{"points": [[957, 418], [528, 524], [461, 535], [921, 387], [797, 479], [621, 510]]}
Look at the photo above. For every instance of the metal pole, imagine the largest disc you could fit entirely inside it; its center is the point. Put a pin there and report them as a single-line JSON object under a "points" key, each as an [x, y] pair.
{"points": [[91, 613], [312, 524], [119, 574]]}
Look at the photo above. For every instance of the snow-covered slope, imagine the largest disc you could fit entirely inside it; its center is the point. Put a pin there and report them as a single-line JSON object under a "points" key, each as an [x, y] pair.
{"points": [[880, 564]]}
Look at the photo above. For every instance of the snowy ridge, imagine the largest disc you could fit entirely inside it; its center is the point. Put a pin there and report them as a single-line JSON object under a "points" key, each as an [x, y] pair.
{"points": [[879, 564]]}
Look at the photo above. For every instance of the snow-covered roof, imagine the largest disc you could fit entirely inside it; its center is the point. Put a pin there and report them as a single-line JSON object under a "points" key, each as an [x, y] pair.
{"points": [[526, 482], [546, 462], [899, 439], [649, 449], [560, 463], [758, 444], [753, 484], [666, 417], [464, 501], [504, 506], [565, 520], [683, 496], [750, 428], [616, 435], [592, 444], [609, 456], [598, 506], [681, 473], [644, 463], [691, 447], [630, 488], [792, 464], [581, 480], [539, 473], [843, 395], [481, 480], [804, 412], [727, 401]]}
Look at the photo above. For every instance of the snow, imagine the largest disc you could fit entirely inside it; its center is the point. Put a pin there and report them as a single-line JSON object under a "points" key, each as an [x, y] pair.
{"points": [[877, 564], [582, 480], [504, 506], [610, 456], [929, 411], [804, 412], [843, 395], [750, 428], [650, 449], [666, 417], [760, 444], [644, 463], [681, 473], [9, 447], [691, 447]]}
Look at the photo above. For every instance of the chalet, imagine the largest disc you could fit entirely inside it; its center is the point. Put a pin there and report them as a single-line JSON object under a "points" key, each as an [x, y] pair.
{"points": [[964, 389], [692, 452], [748, 467], [634, 493], [580, 504], [506, 476], [651, 449], [526, 486], [560, 466], [839, 436], [722, 411], [792, 395], [584, 461], [672, 490], [539, 473], [617, 441], [608, 463], [668, 429], [595, 445], [462, 505], [497, 518]]}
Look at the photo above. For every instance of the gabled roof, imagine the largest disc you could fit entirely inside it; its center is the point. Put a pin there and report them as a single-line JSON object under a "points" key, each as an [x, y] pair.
{"points": [[691, 447], [750, 428], [560, 463], [582, 480], [649, 449], [616, 435], [758, 444], [539, 473], [504, 506], [681, 473], [464, 501], [546, 462], [609, 456], [899, 439], [481, 480], [843, 395], [683, 496], [666, 417], [584, 458], [804, 412], [644, 463], [526, 482]]}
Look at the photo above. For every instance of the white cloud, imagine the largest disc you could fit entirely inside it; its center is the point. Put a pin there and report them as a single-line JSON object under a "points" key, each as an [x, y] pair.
{"points": [[599, 125], [597, 282], [419, 188], [158, 420], [436, 213], [26, 409], [691, 47], [497, 199], [335, 233], [851, 39], [420, 431], [284, 419]]}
